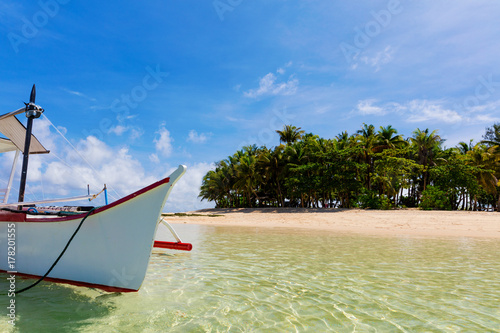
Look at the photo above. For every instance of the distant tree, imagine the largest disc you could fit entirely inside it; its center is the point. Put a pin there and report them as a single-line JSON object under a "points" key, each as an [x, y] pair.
{"points": [[492, 135], [370, 169], [248, 177], [427, 146], [343, 140], [272, 163], [486, 165], [290, 134], [367, 140], [463, 147], [387, 138]]}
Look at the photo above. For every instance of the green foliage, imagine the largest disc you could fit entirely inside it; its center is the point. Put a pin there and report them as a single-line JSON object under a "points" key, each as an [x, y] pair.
{"points": [[407, 201], [371, 200], [434, 198], [492, 135], [369, 169]]}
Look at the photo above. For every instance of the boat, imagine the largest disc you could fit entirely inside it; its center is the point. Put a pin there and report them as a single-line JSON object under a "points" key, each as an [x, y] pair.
{"points": [[107, 247]]}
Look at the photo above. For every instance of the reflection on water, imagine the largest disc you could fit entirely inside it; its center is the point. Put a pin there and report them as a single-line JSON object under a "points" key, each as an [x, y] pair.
{"points": [[276, 280]]}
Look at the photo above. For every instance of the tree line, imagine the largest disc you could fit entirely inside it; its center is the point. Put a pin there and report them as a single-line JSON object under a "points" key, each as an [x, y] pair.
{"points": [[372, 168]]}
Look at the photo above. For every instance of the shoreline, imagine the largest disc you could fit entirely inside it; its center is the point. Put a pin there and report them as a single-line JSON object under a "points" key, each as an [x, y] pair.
{"points": [[405, 222]]}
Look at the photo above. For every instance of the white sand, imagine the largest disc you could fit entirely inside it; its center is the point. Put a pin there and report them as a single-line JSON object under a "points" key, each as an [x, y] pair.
{"points": [[411, 222]]}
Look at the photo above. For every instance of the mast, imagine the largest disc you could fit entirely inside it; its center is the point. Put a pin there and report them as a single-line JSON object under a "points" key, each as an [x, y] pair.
{"points": [[32, 111]]}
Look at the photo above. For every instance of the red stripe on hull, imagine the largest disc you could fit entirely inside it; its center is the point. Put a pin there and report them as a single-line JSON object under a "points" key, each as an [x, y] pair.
{"points": [[6, 216], [74, 283]]}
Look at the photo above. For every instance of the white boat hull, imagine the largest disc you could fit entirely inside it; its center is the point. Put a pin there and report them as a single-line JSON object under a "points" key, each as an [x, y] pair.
{"points": [[111, 250]]}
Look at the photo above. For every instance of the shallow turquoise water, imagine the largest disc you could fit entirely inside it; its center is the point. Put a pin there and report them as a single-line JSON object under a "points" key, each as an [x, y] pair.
{"points": [[279, 280]]}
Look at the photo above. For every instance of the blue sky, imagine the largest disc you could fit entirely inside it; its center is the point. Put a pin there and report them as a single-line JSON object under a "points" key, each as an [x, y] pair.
{"points": [[139, 88]]}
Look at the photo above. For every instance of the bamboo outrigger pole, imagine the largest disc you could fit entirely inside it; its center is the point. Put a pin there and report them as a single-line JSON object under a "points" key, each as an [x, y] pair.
{"points": [[32, 111]]}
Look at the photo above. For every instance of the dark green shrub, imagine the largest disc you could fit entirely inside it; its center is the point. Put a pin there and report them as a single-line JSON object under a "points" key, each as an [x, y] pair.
{"points": [[434, 198], [372, 200]]}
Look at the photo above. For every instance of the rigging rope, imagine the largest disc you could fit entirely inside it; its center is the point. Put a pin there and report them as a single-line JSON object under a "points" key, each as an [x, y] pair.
{"points": [[81, 156], [70, 167]]}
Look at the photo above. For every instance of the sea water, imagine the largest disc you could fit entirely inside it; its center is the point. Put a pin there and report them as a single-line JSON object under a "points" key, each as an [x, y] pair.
{"points": [[284, 280]]}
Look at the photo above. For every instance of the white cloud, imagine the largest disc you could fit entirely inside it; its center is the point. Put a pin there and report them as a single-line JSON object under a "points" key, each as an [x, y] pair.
{"points": [[380, 58], [154, 158], [366, 107], [118, 130], [184, 196], [93, 149], [136, 133], [79, 94], [322, 109], [486, 118], [164, 143], [122, 174], [423, 110], [413, 111], [62, 129], [63, 173], [197, 138], [115, 167], [67, 173], [269, 86], [42, 130], [490, 106], [280, 71]]}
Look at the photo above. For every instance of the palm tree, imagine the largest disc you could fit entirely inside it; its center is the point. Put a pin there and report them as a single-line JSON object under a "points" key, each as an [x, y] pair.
{"points": [[272, 164], [482, 157], [344, 140], [296, 156], [311, 170], [216, 185], [492, 139], [492, 135], [209, 188], [463, 147], [290, 134], [250, 150], [367, 141], [387, 138], [427, 145], [248, 177]]}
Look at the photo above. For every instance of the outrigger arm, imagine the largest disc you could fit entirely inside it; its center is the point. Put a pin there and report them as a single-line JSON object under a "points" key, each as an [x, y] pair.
{"points": [[179, 245]]}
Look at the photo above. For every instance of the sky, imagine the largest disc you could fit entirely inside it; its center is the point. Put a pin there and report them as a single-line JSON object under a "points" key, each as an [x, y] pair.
{"points": [[137, 88]]}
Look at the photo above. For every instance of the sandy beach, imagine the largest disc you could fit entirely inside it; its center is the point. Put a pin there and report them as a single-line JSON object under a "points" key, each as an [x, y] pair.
{"points": [[412, 222]]}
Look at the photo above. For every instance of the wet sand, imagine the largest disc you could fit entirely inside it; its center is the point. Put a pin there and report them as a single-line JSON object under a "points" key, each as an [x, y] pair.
{"points": [[412, 222]]}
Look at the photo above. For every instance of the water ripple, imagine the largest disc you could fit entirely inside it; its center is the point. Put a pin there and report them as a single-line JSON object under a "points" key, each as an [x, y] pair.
{"points": [[249, 280]]}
